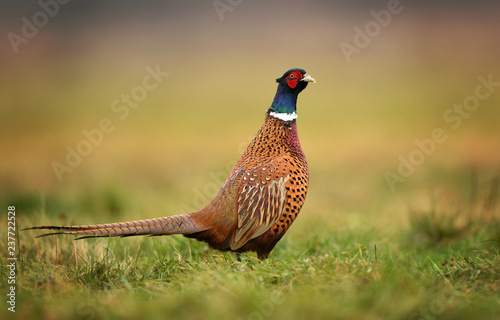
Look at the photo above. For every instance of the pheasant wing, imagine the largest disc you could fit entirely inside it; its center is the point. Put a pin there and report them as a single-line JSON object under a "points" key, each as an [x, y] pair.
{"points": [[260, 204]]}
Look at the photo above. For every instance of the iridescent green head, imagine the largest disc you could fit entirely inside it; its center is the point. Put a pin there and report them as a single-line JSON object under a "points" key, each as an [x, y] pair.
{"points": [[292, 82]]}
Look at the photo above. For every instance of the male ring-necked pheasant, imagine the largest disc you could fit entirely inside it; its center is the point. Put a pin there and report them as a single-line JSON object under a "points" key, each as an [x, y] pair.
{"points": [[259, 200]]}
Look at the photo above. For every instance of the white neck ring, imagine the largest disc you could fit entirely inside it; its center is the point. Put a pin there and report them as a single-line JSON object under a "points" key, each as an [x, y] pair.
{"points": [[284, 116]]}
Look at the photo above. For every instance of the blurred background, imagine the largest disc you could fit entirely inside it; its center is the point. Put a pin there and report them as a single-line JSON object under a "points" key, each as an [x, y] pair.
{"points": [[63, 67]]}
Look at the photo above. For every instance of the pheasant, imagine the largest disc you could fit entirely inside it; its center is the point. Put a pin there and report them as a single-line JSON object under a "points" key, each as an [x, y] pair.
{"points": [[256, 204]]}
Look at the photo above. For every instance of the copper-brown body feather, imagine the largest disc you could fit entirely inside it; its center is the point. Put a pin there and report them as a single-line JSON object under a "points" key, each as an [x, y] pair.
{"points": [[263, 194], [254, 208]]}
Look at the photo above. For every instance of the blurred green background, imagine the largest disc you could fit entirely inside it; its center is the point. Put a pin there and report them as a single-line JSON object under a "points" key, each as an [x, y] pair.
{"points": [[354, 123], [174, 149]]}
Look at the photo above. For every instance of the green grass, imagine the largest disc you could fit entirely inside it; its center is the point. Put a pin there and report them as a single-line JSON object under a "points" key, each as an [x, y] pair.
{"points": [[443, 265]]}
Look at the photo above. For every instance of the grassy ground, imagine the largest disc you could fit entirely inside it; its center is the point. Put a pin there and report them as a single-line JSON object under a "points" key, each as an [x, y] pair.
{"points": [[445, 264], [429, 248]]}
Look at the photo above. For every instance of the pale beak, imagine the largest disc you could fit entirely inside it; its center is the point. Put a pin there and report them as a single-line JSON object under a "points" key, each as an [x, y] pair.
{"points": [[308, 78]]}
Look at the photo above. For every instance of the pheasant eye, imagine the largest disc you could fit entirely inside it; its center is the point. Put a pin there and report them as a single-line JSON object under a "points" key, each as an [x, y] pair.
{"points": [[292, 76]]}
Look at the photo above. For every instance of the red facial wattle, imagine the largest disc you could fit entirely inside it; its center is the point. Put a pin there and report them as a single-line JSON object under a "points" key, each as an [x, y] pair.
{"points": [[293, 78], [292, 83]]}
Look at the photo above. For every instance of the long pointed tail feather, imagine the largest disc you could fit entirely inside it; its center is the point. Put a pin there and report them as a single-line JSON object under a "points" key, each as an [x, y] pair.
{"points": [[180, 224]]}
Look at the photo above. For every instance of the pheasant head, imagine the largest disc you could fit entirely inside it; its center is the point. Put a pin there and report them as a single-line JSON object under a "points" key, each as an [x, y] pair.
{"points": [[284, 105]]}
